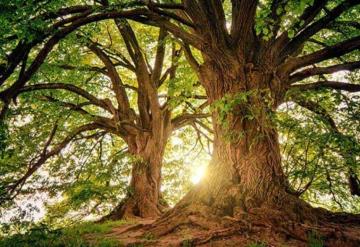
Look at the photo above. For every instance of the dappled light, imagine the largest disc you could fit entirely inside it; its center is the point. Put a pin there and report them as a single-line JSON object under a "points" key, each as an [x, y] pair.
{"points": [[179, 123]]}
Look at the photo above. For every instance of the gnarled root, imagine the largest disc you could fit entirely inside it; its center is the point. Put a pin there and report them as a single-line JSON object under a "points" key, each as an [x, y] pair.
{"points": [[132, 208], [295, 224]]}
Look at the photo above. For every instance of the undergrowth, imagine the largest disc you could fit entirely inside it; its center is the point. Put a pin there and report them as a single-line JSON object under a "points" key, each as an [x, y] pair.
{"points": [[256, 244], [86, 234]]}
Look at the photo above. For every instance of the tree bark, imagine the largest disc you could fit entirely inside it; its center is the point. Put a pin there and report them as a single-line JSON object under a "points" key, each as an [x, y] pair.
{"points": [[245, 176], [143, 198], [245, 171]]}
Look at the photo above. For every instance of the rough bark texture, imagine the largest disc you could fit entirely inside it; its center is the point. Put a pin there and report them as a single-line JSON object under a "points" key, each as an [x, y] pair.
{"points": [[245, 187], [144, 189], [246, 168], [143, 198]]}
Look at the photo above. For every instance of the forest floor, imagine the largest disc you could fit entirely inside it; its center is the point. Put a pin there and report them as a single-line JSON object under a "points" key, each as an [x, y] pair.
{"points": [[236, 232], [138, 234]]}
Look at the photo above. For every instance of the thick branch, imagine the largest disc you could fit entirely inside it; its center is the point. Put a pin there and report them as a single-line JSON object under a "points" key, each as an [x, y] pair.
{"points": [[159, 21], [315, 27], [337, 50], [243, 18], [71, 88], [309, 14], [159, 58], [146, 89], [329, 84], [215, 21], [345, 24], [323, 70], [186, 118], [191, 59], [117, 84]]}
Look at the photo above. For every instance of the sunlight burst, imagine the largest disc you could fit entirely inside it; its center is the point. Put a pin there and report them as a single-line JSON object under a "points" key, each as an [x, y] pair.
{"points": [[198, 173]]}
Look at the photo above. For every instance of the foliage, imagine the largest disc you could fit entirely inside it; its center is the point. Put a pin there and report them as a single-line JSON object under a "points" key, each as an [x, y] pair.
{"points": [[91, 175], [187, 243], [315, 156], [81, 235]]}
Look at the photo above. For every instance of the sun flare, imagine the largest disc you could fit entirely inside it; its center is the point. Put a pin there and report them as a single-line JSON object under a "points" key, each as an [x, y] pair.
{"points": [[197, 173]]}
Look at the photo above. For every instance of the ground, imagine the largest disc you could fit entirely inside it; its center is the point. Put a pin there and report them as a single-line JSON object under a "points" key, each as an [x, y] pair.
{"points": [[344, 231], [238, 233]]}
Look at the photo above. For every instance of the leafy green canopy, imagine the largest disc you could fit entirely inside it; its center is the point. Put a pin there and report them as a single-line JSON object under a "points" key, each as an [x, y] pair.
{"points": [[90, 174], [319, 126]]}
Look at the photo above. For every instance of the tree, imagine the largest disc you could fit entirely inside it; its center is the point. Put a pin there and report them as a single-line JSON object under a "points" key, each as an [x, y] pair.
{"points": [[134, 112], [253, 56], [249, 69]]}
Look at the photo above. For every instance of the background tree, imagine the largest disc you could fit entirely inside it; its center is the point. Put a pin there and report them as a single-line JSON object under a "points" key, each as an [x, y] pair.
{"points": [[250, 64], [137, 110]]}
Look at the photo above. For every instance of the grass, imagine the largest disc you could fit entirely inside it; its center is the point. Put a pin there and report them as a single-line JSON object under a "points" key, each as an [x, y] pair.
{"points": [[256, 244], [149, 236], [187, 243], [42, 236], [315, 239]]}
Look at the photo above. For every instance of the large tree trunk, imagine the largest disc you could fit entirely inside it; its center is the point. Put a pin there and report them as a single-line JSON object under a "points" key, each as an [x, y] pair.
{"points": [[143, 199], [245, 171], [245, 181]]}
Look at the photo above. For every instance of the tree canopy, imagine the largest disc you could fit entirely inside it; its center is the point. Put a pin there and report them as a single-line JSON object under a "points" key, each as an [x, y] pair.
{"points": [[108, 107]]}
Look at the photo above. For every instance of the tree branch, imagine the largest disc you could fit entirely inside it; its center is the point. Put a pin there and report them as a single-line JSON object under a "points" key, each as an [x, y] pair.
{"points": [[191, 59], [13, 189], [349, 87], [243, 18], [315, 27], [117, 84], [105, 104], [159, 58], [186, 118], [351, 66], [326, 53], [60, 33], [74, 107], [354, 182]]}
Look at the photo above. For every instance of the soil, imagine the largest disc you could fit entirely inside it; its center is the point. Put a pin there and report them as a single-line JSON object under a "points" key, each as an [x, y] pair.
{"points": [[344, 231]]}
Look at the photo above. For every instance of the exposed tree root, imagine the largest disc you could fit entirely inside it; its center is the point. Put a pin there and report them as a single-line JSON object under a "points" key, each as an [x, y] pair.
{"points": [[263, 224], [195, 225], [132, 208]]}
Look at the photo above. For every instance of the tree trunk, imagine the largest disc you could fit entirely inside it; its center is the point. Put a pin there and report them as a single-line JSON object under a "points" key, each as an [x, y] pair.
{"points": [[245, 193], [245, 171], [143, 199], [245, 175]]}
